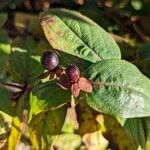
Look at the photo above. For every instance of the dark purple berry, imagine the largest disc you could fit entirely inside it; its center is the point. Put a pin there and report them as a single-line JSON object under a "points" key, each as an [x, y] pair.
{"points": [[49, 60], [73, 73]]}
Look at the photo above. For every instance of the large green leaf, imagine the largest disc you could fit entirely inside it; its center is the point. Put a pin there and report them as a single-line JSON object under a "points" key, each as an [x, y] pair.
{"points": [[4, 49], [44, 125], [139, 130], [120, 89], [48, 96], [24, 66], [5, 100], [73, 33]]}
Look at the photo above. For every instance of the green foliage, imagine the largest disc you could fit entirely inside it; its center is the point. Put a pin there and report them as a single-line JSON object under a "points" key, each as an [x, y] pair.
{"points": [[119, 89], [78, 36], [139, 130], [42, 115], [4, 50], [44, 125], [22, 62], [5, 100], [47, 96], [3, 18]]}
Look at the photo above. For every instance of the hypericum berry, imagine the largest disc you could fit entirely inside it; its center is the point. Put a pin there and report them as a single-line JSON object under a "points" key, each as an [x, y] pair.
{"points": [[49, 60], [73, 73]]}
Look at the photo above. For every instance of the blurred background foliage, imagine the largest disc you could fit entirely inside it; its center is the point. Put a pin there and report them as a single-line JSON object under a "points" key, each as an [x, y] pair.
{"points": [[128, 21]]}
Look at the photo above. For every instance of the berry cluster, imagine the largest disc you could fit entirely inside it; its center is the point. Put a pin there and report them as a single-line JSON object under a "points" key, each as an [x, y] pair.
{"points": [[69, 78]]}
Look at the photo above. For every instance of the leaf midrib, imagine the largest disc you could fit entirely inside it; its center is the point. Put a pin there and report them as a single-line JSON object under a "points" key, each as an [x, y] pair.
{"points": [[121, 86]]}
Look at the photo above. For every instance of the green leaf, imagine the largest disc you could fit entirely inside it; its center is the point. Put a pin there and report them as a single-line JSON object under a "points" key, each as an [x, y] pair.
{"points": [[33, 25], [139, 130], [73, 33], [24, 66], [5, 100], [44, 125], [47, 96], [4, 49], [120, 89], [3, 18]]}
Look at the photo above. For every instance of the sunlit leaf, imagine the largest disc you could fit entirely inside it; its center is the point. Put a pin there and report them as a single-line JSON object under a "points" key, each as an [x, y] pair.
{"points": [[48, 96], [79, 36], [120, 89], [67, 141], [43, 126]]}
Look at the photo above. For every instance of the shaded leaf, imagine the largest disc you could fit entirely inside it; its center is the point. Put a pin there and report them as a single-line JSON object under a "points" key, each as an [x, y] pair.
{"points": [[3, 18], [44, 125], [144, 66], [143, 63], [47, 96], [66, 59], [87, 118], [144, 51], [116, 135], [4, 50], [5, 100], [79, 36], [29, 22], [24, 66], [119, 89], [139, 130]]}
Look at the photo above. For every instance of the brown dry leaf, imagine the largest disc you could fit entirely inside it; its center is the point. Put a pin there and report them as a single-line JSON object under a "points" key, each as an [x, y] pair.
{"points": [[71, 122], [95, 141]]}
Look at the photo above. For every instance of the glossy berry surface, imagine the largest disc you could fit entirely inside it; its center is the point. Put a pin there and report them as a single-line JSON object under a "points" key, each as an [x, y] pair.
{"points": [[49, 60], [73, 73]]}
